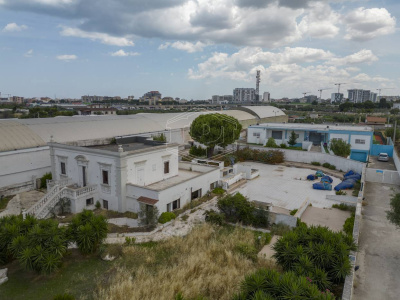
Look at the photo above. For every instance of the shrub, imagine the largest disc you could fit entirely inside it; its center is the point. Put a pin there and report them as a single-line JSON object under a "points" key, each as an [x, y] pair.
{"points": [[43, 180], [280, 229], [129, 241], [160, 138], [293, 212], [349, 224], [315, 163], [98, 205], [271, 143], [148, 216], [316, 252], [237, 208], [268, 284], [283, 145], [357, 188], [247, 251], [340, 148], [344, 207], [218, 191], [292, 139], [64, 297], [393, 215], [166, 217], [88, 231], [213, 217], [198, 151], [326, 165], [268, 157], [340, 193], [332, 167]]}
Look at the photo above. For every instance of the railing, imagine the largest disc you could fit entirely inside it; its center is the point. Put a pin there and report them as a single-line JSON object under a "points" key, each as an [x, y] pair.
{"points": [[42, 202], [86, 190], [61, 183]]}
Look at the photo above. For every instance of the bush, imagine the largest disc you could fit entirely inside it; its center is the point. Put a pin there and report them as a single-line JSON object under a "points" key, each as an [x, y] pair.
{"points": [[326, 165], [315, 163], [340, 193], [218, 191], [293, 212], [88, 231], [64, 297], [129, 241], [344, 207], [357, 188], [98, 205], [166, 217], [268, 157], [198, 151], [248, 251], [316, 252], [238, 209], [271, 143], [43, 180], [283, 145], [268, 284], [280, 229], [349, 224], [393, 215], [213, 217], [340, 147], [160, 138], [332, 167]]}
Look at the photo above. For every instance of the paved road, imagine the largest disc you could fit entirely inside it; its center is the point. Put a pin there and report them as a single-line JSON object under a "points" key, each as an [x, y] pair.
{"points": [[379, 248], [383, 165]]}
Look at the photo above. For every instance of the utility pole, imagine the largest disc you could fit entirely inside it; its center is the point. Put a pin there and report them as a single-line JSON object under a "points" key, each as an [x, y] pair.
{"points": [[258, 86], [394, 132]]}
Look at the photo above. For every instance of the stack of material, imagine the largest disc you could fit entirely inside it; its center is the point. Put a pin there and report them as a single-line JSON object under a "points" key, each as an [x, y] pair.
{"points": [[349, 180], [322, 186]]}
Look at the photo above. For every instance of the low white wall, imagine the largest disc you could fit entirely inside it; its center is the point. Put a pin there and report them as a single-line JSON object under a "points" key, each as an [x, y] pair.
{"points": [[19, 168], [124, 222], [396, 160], [349, 200], [277, 218], [341, 163], [382, 176], [302, 209]]}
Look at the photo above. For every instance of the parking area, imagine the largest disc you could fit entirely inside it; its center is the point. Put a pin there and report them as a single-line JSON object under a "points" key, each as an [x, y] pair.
{"points": [[285, 187], [379, 243], [374, 163]]}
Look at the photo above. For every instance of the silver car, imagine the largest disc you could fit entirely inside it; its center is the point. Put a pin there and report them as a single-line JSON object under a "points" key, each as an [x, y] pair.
{"points": [[383, 157]]}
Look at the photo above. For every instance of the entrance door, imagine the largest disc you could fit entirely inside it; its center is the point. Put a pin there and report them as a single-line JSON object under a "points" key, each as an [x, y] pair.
{"points": [[140, 176], [84, 183], [315, 137]]}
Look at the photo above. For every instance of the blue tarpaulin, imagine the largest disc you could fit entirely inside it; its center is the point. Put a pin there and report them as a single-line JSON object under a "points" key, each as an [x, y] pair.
{"points": [[322, 186], [319, 173], [327, 179], [346, 184], [311, 177]]}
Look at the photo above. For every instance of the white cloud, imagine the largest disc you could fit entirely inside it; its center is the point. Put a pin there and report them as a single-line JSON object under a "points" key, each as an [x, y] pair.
{"points": [[184, 46], [29, 53], [123, 53], [14, 27], [365, 24], [363, 56], [67, 57], [97, 36]]}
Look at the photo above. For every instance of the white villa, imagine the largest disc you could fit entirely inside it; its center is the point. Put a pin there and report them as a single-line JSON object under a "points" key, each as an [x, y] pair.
{"points": [[121, 176]]}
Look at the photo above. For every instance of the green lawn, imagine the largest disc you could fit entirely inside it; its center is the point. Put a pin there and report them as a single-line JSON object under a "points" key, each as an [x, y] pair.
{"points": [[78, 276]]}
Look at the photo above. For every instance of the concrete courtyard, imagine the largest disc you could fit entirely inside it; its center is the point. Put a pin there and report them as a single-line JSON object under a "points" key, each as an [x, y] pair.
{"points": [[285, 187]]}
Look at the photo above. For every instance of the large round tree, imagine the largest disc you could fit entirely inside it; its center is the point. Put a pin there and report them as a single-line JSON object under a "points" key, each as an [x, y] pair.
{"points": [[215, 130]]}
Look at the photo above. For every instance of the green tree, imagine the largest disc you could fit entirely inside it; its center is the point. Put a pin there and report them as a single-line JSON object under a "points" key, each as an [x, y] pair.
{"points": [[292, 139], [340, 147], [215, 130], [148, 215], [394, 111], [271, 143], [393, 215], [389, 133]]}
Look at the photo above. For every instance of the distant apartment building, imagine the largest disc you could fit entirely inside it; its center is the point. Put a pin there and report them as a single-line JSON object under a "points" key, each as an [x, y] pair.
{"points": [[337, 97], [373, 97], [359, 95], [221, 99], [168, 99], [311, 98], [17, 100], [244, 95], [152, 94], [266, 97], [131, 98], [90, 99]]}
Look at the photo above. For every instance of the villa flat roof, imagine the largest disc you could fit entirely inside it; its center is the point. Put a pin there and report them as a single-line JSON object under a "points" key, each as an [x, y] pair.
{"points": [[127, 147], [318, 127]]}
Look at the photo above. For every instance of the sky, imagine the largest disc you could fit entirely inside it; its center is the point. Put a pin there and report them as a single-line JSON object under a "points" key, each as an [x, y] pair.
{"points": [[194, 49]]}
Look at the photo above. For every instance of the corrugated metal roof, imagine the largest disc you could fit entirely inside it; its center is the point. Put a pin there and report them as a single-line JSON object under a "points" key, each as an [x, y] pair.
{"points": [[14, 135], [265, 111], [28, 133]]}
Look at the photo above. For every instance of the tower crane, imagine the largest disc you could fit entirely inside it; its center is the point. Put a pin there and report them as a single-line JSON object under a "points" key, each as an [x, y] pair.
{"points": [[339, 84], [305, 93], [320, 93], [379, 90]]}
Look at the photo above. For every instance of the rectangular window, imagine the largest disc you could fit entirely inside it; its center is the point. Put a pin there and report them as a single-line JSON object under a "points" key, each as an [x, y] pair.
{"points": [[277, 135], [105, 204], [213, 185], [166, 167], [105, 176], [89, 202], [359, 141], [176, 204], [168, 207], [63, 171], [256, 134]]}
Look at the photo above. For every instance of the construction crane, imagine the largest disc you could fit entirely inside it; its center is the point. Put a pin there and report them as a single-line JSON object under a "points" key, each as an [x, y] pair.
{"points": [[379, 90], [339, 84], [320, 93], [9, 95], [305, 93]]}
